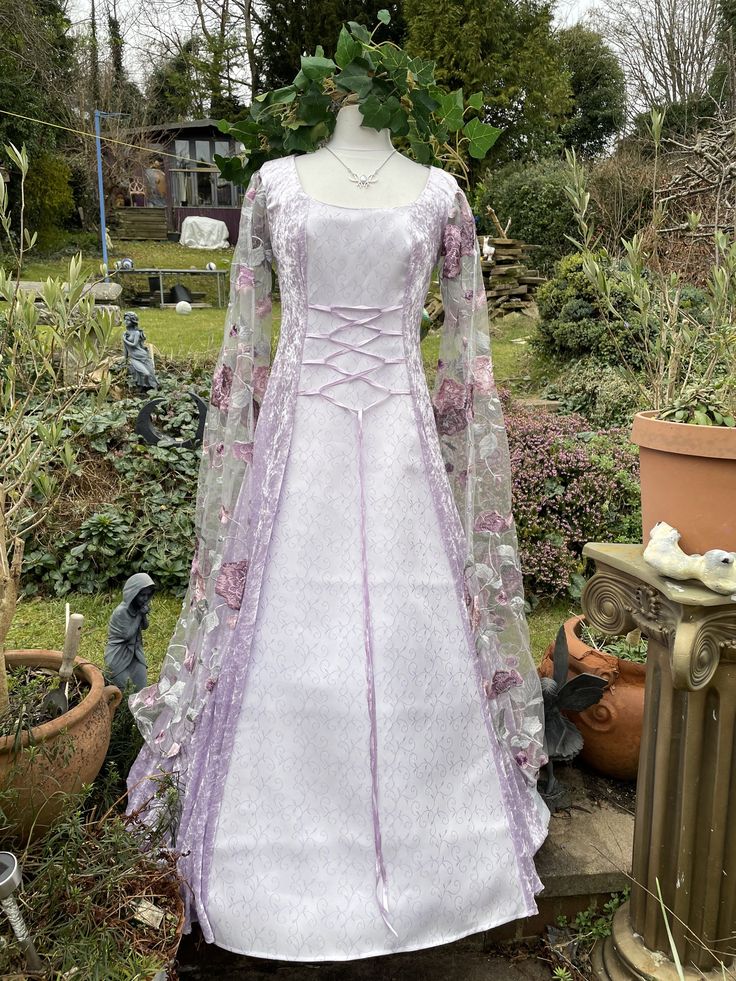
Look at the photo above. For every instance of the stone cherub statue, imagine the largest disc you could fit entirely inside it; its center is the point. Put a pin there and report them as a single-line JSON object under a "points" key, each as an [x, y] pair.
{"points": [[140, 361], [124, 657]]}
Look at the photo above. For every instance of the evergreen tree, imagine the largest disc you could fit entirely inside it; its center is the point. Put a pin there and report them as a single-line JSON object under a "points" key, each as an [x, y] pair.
{"points": [[598, 90], [94, 64], [506, 49], [36, 65], [175, 89], [115, 40], [290, 29]]}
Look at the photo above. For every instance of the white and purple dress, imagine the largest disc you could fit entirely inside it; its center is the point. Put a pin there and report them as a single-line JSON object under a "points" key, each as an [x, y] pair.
{"points": [[348, 704]]}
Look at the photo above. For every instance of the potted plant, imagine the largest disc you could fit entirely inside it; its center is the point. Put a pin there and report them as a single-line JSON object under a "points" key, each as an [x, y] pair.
{"points": [[47, 358], [611, 729], [685, 372]]}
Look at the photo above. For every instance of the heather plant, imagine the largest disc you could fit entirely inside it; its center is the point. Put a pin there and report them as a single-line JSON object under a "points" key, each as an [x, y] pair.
{"points": [[571, 485]]}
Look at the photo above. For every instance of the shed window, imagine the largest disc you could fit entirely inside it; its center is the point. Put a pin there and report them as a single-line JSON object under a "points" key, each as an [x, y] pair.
{"points": [[196, 181]]}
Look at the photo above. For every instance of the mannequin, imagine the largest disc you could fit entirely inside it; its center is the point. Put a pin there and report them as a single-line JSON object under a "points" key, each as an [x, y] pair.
{"points": [[398, 183]]}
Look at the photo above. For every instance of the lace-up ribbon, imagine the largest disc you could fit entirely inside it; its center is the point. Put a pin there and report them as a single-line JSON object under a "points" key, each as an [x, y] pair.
{"points": [[364, 318]]}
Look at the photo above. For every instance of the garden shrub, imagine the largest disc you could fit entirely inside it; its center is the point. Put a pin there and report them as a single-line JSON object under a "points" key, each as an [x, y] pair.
{"points": [[128, 507], [573, 322], [533, 196], [570, 486], [597, 391], [49, 200]]}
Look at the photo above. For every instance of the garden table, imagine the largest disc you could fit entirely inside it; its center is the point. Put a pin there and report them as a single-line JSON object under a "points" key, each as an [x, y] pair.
{"points": [[684, 842], [220, 274]]}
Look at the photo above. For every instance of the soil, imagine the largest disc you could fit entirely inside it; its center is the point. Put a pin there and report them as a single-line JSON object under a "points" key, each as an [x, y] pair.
{"points": [[27, 687], [620, 794]]}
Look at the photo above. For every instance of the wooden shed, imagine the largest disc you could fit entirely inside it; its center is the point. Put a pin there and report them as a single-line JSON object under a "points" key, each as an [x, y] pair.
{"points": [[176, 177]]}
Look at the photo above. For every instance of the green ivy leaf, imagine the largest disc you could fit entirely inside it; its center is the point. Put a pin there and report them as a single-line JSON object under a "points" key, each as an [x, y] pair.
{"points": [[359, 31], [347, 48], [375, 113], [313, 108], [481, 137], [451, 112], [396, 62], [300, 80], [316, 68], [476, 100], [421, 150], [384, 16], [424, 104], [354, 78]]}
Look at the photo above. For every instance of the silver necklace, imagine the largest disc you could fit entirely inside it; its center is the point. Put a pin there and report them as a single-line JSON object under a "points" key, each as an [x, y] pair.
{"points": [[362, 180]]}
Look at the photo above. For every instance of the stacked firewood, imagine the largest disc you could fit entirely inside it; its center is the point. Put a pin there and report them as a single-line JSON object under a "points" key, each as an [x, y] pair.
{"points": [[510, 283]]}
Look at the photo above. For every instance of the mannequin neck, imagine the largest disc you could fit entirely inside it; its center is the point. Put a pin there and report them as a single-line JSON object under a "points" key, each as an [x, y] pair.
{"points": [[350, 135]]}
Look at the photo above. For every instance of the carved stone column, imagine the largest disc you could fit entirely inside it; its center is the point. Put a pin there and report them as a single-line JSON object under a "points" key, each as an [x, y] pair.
{"points": [[685, 823]]}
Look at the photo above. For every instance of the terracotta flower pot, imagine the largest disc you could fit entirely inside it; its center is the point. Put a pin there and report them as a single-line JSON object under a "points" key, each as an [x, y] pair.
{"points": [[611, 729], [688, 479], [77, 743]]}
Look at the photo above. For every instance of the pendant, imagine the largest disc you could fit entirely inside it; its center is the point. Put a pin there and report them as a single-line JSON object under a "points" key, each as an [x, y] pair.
{"points": [[363, 180]]}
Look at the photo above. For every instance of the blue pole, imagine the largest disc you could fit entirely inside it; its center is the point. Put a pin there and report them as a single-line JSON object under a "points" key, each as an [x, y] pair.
{"points": [[101, 192]]}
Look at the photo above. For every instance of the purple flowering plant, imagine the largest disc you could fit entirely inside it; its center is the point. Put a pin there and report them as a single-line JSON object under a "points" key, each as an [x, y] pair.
{"points": [[570, 486]]}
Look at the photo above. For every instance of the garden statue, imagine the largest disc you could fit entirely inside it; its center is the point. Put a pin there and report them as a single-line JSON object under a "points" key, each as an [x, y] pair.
{"points": [[562, 740], [716, 569], [140, 361], [124, 657]]}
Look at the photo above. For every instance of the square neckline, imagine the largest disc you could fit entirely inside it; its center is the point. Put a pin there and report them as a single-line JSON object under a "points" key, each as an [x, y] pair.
{"points": [[345, 207]]}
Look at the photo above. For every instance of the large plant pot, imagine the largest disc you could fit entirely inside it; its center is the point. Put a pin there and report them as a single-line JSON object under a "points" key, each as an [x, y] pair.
{"points": [[688, 479], [72, 748], [611, 729]]}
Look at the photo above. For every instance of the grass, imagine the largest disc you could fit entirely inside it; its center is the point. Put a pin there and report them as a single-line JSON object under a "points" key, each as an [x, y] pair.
{"points": [[39, 623], [145, 255], [200, 333], [165, 255]]}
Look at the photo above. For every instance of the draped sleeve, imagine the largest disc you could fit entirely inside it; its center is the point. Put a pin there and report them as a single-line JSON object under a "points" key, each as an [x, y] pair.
{"points": [[472, 435], [168, 710]]}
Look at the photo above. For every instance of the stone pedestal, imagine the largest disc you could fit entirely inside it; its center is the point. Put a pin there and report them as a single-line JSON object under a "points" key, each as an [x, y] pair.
{"points": [[685, 823]]}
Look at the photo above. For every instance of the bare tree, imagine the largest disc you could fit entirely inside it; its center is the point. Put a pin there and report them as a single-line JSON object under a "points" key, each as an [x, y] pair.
{"points": [[666, 47]]}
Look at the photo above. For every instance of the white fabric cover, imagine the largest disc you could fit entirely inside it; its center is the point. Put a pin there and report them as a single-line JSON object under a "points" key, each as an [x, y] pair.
{"points": [[198, 232]]}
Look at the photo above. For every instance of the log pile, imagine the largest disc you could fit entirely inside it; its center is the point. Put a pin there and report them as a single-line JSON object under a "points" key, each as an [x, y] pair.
{"points": [[510, 284]]}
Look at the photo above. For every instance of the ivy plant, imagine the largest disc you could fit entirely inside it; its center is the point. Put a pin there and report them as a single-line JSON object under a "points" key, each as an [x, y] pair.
{"points": [[392, 91]]}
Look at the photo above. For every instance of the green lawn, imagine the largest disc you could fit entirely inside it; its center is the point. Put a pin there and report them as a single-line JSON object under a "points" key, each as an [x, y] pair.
{"points": [[39, 623], [165, 255]]}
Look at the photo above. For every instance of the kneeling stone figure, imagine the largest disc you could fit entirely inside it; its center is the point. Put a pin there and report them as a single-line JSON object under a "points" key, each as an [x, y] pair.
{"points": [[124, 656]]}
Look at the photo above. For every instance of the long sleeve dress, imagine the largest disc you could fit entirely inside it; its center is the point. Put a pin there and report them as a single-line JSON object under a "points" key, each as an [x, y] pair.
{"points": [[348, 706]]}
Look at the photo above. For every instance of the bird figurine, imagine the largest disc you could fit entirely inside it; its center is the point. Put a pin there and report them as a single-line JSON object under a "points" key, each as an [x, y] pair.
{"points": [[716, 569], [562, 740]]}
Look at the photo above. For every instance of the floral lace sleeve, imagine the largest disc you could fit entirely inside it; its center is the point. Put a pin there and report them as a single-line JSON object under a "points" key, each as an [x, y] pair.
{"points": [[167, 712], [472, 435]]}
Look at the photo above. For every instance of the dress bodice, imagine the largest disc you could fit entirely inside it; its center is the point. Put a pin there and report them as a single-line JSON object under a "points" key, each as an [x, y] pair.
{"points": [[358, 325]]}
